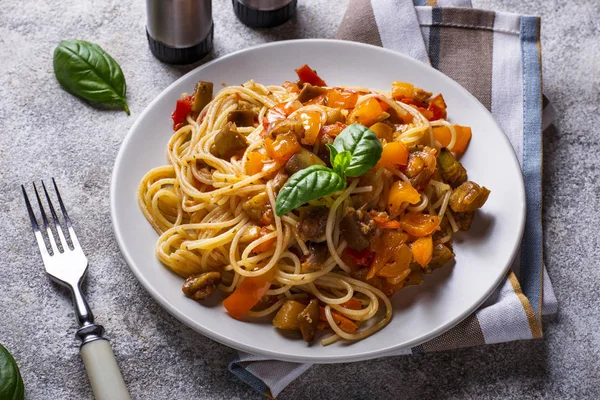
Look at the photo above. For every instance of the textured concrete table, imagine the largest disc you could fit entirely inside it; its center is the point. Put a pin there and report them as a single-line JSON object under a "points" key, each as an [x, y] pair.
{"points": [[45, 132]]}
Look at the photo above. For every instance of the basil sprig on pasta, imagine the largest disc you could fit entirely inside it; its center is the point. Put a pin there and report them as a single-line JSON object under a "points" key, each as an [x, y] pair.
{"points": [[85, 70], [354, 151]]}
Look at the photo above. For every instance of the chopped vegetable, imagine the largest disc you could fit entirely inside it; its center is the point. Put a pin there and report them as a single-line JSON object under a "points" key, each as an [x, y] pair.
{"points": [[309, 92], [386, 223], [201, 286], [383, 131], [366, 113], [452, 170], [182, 109], [317, 256], [308, 319], [396, 268], [291, 87], [255, 163], [332, 130], [335, 116], [441, 255], [352, 304], [344, 323], [312, 224], [282, 147], [258, 209], [387, 249], [287, 316], [422, 250], [463, 136], [307, 75], [401, 90], [356, 230], [302, 159], [282, 110], [421, 166], [247, 294], [437, 106], [393, 154], [228, 142], [266, 245], [202, 95], [401, 192], [468, 197], [464, 219], [419, 225], [241, 117], [311, 121], [342, 98], [362, 258]]}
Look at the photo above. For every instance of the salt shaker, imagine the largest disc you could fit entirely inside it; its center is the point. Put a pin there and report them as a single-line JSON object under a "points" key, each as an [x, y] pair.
{"points": [[264, 13], [179, 31]]}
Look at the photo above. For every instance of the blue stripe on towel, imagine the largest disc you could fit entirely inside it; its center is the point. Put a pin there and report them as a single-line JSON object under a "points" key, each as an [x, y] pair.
{"points": [[531, 249], [434, 37], [247, 377]]}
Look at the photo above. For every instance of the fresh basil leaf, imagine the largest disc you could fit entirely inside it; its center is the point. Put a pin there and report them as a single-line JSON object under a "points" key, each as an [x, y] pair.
{"points": [[85, 70], [11, 383], [341, 162], [306, 185], [364, 146], [332, 153]]}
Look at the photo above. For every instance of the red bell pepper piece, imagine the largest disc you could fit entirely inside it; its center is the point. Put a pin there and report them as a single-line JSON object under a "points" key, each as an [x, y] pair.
{"points": [[308, 75], [182, 109]]}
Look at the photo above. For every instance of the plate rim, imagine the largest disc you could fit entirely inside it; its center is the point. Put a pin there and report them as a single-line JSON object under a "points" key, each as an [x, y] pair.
{"points": [[367, 355]]}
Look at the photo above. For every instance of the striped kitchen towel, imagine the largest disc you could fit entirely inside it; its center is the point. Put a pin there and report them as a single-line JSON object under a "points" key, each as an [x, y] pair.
{"points": [[497, 57]]}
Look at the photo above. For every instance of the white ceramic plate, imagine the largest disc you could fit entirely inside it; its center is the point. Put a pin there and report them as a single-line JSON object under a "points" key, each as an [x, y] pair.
{"points": [[420, 313]]}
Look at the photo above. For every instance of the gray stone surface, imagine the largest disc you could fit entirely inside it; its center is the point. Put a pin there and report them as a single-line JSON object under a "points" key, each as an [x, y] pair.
{"points": [[45, 132]]}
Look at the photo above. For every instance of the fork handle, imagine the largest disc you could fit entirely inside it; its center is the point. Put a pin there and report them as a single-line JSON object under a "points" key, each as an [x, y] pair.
{"points": [[102, 370]]}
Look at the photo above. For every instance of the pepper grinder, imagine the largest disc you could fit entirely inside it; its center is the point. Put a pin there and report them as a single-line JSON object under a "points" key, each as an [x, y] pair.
{"points": [[264, 13], [179, 31]]}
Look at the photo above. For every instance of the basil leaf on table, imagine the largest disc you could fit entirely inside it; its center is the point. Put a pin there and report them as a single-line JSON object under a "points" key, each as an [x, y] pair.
{"points": [[11, 383], [85, 70], [308, 184], [363, 145]]}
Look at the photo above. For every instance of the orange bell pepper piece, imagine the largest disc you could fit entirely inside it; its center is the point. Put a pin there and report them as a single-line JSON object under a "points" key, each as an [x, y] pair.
{"points": [[422, 250], [267, 245], [344, 323], [291, 87], [311, 121], [399, 193], [463, 137], [393, 154], [248, 294], [401, 90], [341, 98], [366, 113], [282, 147], [255, 163], [418, 224]]}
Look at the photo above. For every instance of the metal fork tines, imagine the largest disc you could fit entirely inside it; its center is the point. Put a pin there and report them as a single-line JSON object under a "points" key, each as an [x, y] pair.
{"points": [[66, 264]]}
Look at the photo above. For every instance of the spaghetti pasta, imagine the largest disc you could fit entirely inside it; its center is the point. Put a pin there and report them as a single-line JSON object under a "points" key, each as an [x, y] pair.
{"points": [[214, 206]]}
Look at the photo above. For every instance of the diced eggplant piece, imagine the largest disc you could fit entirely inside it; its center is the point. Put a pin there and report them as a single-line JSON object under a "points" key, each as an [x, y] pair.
{"points": [[420, 168], [355, 231], [258, 209], [280, 180], [310, 92], [451, 169], [421, 95], [323, 152], [241, 117], [468, 197], [334, 115], [202, 95], [308, 319], [287, 316], [464, 220], [441, 255], [228, 142], [317, 256], [313, 223], [300, 160]]}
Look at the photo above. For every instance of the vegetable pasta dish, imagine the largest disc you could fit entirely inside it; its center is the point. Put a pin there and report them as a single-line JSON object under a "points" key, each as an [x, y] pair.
{"points": [[310, 204]]}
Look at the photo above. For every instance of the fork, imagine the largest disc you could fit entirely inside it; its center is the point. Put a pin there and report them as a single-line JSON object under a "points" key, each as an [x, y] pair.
{"points": [[68, 266]]}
